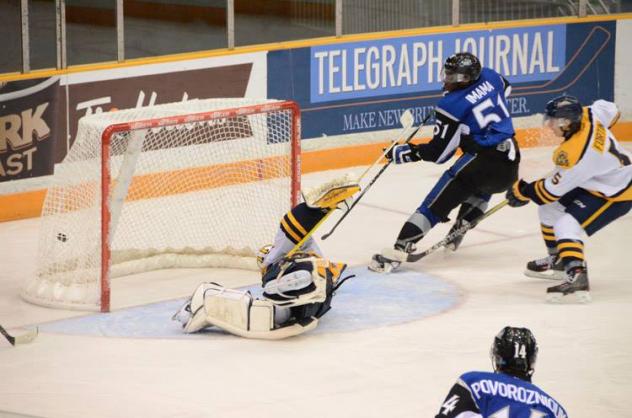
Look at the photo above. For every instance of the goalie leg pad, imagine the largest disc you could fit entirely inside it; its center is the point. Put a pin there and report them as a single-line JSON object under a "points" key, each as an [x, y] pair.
{"points": [[251, 318], [238, 313], [192, 314]]}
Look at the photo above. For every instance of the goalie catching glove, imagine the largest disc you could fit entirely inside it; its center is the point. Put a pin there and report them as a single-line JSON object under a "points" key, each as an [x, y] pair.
{"points": [[403, 153], [332, 193]]}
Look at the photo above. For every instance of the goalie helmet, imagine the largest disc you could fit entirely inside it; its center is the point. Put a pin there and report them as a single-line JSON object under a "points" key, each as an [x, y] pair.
{"points": [[261, 255], [460, 70], [514, 351], [564, 115]]}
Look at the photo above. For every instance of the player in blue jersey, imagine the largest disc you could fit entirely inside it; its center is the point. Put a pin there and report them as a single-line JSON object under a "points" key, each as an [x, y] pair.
{"points": [[472, 116], [508, 392]]}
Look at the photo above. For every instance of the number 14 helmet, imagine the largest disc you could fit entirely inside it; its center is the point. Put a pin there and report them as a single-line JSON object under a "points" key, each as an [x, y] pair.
{"points": [[514, 352]]}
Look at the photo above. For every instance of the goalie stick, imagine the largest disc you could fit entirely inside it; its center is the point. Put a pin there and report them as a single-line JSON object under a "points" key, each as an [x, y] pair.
{"points": [[374, 179], [19, 339], [462, 230]]}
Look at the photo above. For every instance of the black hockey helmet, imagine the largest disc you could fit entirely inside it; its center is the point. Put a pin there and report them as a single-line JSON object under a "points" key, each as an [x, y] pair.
{"points": [[514, 351], [565, 113], [460, 70]]}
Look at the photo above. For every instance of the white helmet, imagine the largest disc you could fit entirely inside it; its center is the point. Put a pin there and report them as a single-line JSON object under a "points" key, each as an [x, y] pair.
{"points": [[262, 253]]}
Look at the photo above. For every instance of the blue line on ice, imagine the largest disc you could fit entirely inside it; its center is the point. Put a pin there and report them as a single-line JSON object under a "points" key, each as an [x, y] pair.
{"points": [[369, 300]]}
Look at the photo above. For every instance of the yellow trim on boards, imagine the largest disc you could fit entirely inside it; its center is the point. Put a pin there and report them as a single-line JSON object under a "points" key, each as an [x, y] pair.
{"points": [[275, 46]]}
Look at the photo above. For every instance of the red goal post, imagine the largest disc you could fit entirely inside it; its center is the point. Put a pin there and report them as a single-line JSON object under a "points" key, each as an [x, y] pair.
{"points": [[198, 175]]}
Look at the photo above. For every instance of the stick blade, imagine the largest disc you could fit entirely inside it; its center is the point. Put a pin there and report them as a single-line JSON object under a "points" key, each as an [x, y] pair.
{"points": [[414, 257], [27, 337]]}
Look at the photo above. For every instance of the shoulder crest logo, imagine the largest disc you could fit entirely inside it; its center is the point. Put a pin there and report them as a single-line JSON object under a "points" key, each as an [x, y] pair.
{"points": [[561, 159]]}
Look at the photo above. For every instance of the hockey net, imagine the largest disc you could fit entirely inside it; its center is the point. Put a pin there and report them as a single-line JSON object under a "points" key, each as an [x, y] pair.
{"points": [[201, 183]]}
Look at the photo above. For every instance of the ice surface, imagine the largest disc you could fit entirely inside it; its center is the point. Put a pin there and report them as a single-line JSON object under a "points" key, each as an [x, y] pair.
{"points": [[397, 368], [425, 296]]}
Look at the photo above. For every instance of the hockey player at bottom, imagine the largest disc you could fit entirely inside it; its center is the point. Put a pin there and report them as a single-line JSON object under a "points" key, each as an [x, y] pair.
{"points": [[472, 115], [297, 286], [508, 392], [590, 187]]}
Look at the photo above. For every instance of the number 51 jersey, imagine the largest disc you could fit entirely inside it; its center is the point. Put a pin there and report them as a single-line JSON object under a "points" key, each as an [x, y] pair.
{"points": [[480, 109]]}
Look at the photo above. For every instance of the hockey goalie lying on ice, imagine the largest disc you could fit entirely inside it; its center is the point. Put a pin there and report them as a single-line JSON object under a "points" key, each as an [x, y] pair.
{"points": [[298, 283]]}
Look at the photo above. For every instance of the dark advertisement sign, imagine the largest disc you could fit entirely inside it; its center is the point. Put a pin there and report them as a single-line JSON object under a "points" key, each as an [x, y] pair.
{"points": [[35, 115], [29, 114], [147, 90]]}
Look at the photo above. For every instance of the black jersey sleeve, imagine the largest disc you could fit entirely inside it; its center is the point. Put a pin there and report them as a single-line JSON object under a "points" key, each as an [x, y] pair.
{"points": [[458, 401], [445, 139], [300, 220]]}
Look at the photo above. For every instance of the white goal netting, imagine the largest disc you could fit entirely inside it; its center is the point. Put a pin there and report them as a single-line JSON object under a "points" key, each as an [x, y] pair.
{"points": [[187, 184]]}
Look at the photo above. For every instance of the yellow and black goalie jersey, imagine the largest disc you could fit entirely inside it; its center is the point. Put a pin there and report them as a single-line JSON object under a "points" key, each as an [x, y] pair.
{"points": [[591, 159], [300, 220]]}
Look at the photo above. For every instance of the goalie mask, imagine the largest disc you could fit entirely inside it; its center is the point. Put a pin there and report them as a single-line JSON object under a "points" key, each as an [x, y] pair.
{"points": [[563, 115], [514, 352]]}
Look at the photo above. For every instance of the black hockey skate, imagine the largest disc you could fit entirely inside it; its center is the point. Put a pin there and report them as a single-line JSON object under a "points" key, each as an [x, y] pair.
{"points": [[549, 267], [576, 283], [455, 242]]}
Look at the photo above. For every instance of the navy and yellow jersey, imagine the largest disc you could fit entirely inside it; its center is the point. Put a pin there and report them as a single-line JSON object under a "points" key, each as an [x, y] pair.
{"points": [[487, 394], [476, 113], [590, 159], [300, 220]]}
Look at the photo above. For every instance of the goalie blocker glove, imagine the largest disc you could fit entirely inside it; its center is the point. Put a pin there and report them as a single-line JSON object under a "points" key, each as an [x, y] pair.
{"points": [[403, 153]]}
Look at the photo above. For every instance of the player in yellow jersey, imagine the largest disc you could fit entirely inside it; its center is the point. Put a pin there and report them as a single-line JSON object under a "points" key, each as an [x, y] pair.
{"points": [[590, 187]]}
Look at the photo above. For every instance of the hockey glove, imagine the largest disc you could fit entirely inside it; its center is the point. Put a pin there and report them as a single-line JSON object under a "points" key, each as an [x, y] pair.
{"points": [[403, 153], [515, 196]]}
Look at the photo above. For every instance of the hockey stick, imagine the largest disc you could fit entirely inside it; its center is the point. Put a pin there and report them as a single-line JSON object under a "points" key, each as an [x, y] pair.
{"points": [[19, 339], [407, 121], [379, 173], [462, 230]]}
